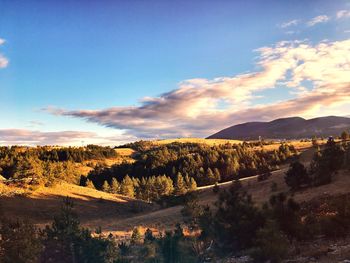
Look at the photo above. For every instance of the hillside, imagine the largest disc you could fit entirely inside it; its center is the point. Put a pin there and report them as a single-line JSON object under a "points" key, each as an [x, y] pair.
{"points": [[92, 206], [119, 215], [209, 142], [286, 128]]}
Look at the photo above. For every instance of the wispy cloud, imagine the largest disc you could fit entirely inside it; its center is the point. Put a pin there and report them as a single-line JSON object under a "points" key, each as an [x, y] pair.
{"points": [[290, 23], [3, 60], [317, 20], [195, 107], [33, 137], [343, 14]]}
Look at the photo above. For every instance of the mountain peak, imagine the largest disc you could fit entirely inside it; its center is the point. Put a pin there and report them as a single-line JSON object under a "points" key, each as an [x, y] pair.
{"points": [[286, 128]]}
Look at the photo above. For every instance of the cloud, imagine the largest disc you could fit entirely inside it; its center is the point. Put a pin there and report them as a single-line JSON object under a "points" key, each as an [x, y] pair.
{"points": [[3, 60], [317, 20], [343, 14], [32, 138], [290, 23], [199, 107]]}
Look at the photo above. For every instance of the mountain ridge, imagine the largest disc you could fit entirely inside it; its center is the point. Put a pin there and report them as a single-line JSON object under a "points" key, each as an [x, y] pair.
{"points": [[285, 128]]}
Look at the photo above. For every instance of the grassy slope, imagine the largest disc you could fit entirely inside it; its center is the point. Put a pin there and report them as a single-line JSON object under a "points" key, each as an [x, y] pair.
{"points": [[92, 206], [117, 213], [210, 142]]}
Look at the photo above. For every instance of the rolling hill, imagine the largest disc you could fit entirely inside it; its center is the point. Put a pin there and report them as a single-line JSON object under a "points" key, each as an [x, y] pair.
{"points": [[286, 128]]}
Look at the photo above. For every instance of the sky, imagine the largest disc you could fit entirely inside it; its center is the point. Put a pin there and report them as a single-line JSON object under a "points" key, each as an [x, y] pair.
{"points": [[110, 72]]}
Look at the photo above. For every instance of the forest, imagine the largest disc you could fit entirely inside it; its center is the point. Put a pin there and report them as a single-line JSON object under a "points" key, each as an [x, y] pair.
{"points": [[177, 168], [46, 164]]}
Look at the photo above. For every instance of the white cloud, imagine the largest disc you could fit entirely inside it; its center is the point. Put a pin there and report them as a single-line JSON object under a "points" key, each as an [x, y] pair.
{"points": [[317, 20], [77, 138], [290, 23], [3, 60], [195, 107], [343, 14]]}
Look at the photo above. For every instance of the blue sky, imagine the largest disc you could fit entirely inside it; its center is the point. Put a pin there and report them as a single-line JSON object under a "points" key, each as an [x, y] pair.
{"points": [[67, 57]]}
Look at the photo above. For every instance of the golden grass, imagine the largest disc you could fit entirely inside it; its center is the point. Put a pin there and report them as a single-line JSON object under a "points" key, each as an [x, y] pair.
{"points": [[119, 215], [210, 142], [125, 152], [93, 207]]}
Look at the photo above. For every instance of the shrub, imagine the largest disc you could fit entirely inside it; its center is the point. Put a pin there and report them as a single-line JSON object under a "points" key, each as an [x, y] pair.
{"points": [[270, 245], [296, 176], [136, 237]]}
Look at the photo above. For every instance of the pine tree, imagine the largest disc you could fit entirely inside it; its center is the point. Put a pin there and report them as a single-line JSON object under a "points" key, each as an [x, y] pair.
{"points": [[136, 237], [19, 242], [217, 175], [297, 176], [105, 187], [190, 183], [89, 184], [149, 236], [345, 136], [210, 177], [127, 187], [180, 187], [115, 186]]}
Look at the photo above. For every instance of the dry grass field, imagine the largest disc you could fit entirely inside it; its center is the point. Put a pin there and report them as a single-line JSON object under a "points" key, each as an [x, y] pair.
{"points": [[93, 207], [210, 142], [119, 214]]}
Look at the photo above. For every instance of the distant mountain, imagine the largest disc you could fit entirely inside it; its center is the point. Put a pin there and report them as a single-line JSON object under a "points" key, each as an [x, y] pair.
{"points": [[286, 128]]}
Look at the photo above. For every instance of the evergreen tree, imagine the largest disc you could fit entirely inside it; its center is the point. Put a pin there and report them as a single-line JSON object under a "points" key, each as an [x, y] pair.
{"points": [[345, 136], [136, 237], [105, 187], [66, 241], [115, 186], [236, 220], [149, 236], [89, 184], [19, 242], [191, 184], [60, 238], [180, 186], [217, 175], [297, 176], [127, 187]]}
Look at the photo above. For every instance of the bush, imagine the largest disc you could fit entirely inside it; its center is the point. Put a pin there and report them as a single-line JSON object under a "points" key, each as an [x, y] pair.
{"points": [[270, 244], [296, 176]]}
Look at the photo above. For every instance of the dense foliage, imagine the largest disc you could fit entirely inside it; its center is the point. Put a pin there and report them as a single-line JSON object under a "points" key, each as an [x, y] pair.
{"points": [[205, 164], [47, 164]]}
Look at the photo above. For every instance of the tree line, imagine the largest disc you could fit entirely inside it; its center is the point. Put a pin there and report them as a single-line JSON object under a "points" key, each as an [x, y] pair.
{"points": [[46, 164], [195, 164]]}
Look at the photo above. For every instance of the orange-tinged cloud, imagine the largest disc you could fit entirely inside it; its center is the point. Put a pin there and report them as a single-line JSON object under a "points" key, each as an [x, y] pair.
{"points": [[196, 108]]}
